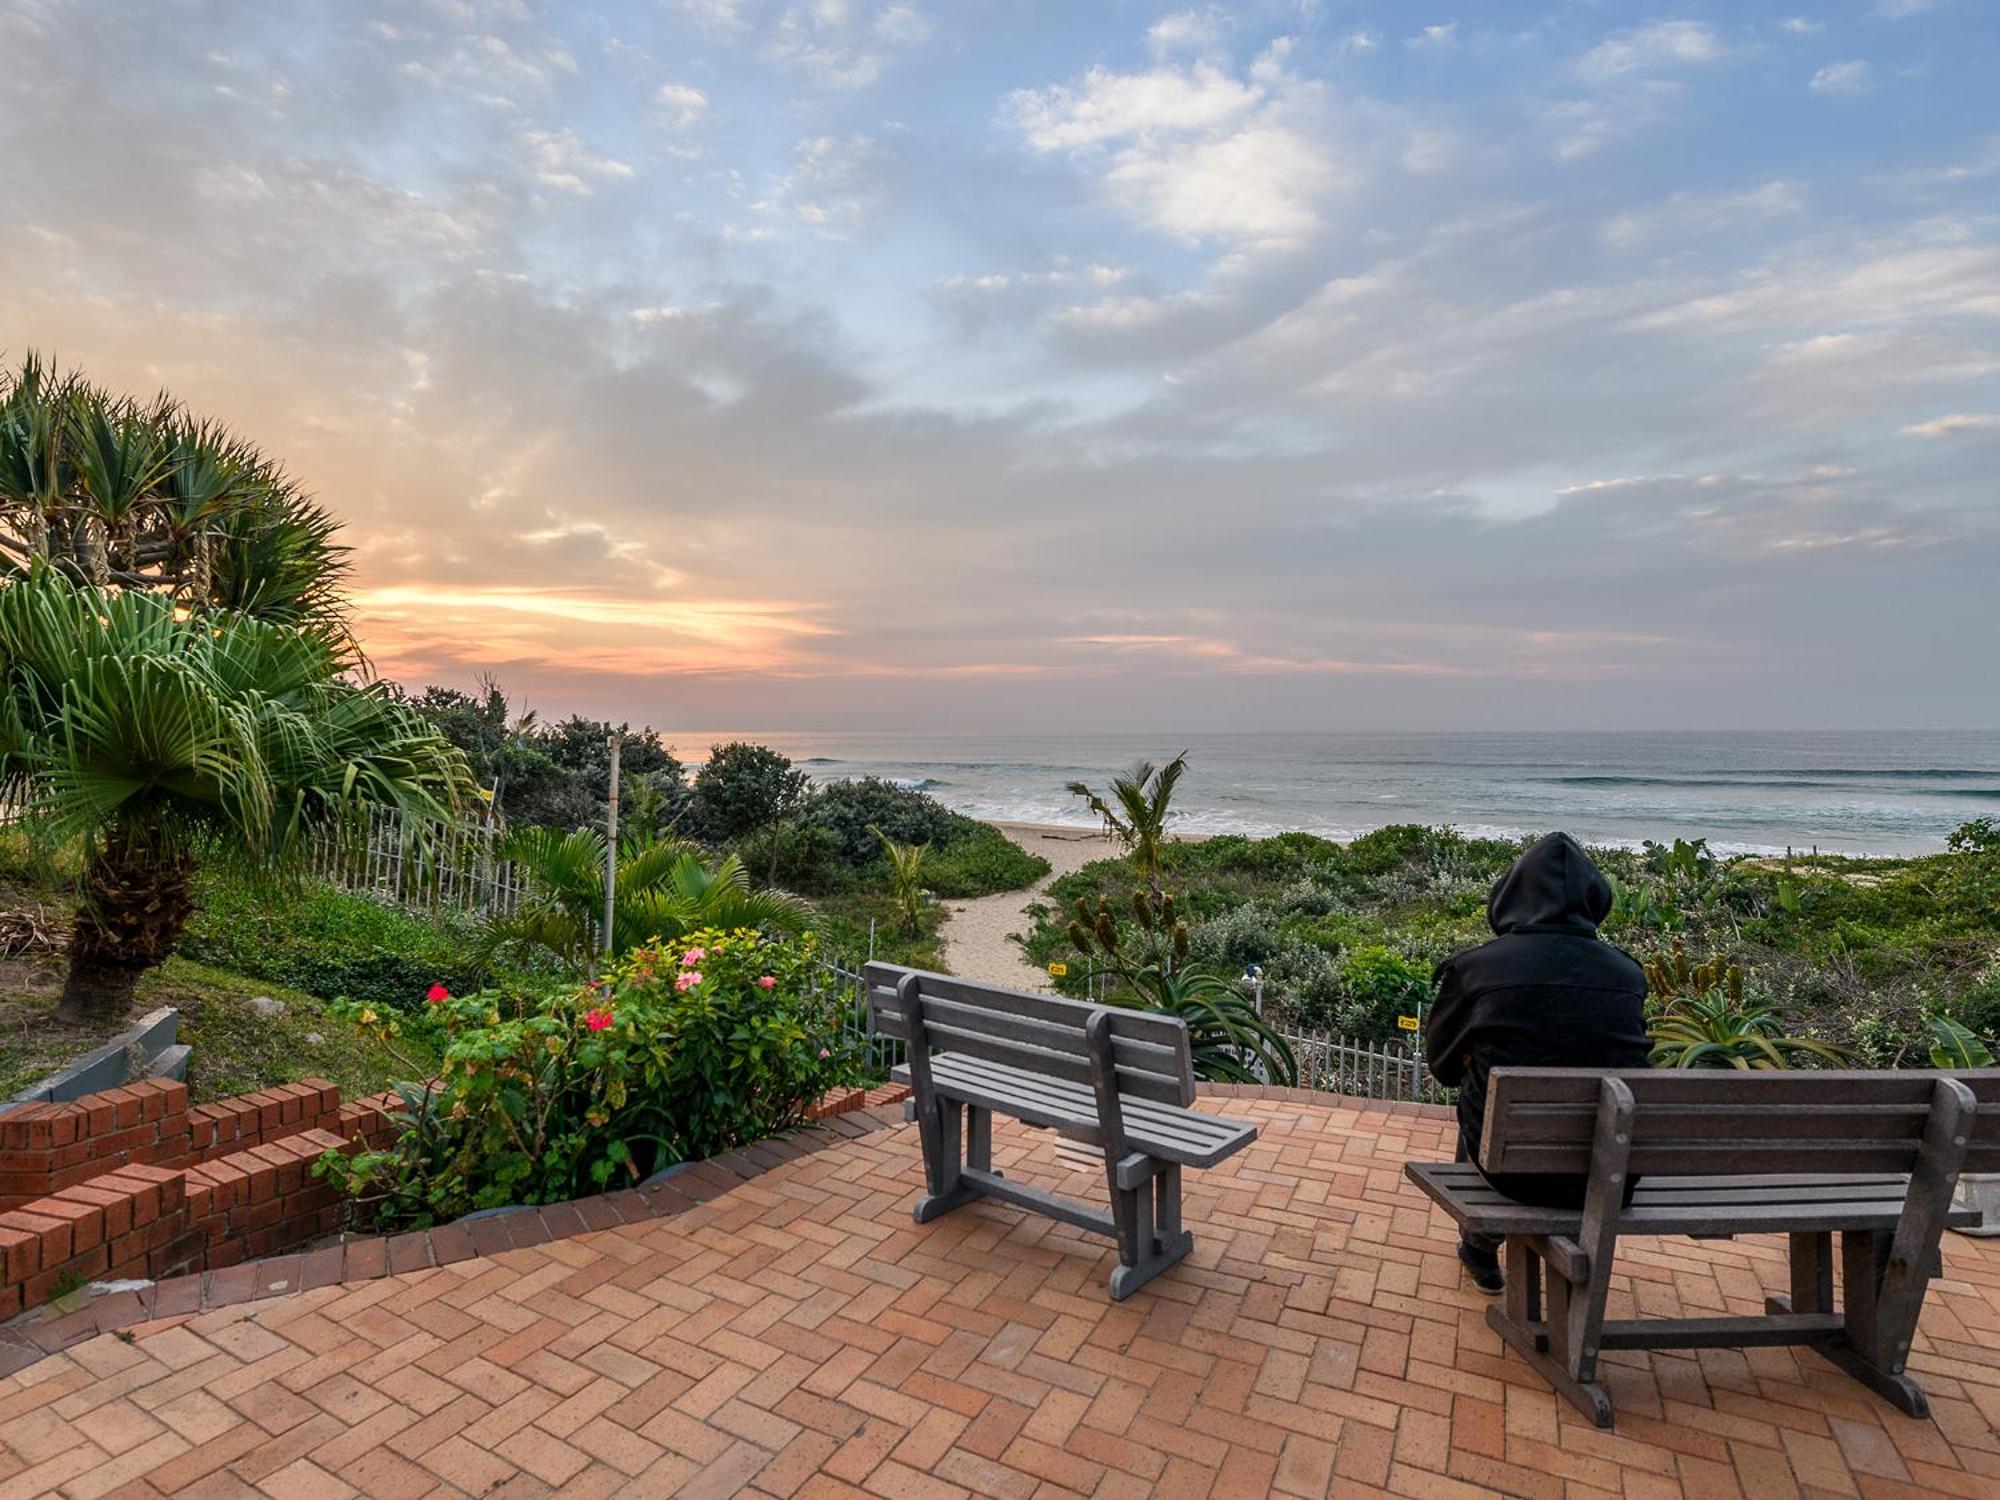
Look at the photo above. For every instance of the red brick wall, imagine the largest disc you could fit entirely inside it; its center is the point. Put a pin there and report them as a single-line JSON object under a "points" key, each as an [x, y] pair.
{"points": [[132, 1182], [46, 1147], [246, 1120], [146, 1221]]}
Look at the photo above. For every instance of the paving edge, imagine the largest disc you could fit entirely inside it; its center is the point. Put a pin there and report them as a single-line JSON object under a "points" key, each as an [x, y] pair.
{"points": [[1276, 1094], [365, 1259]]}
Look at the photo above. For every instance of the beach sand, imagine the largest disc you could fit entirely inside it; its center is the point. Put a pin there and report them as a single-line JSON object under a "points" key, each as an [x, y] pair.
{"points": [[977, 937]]}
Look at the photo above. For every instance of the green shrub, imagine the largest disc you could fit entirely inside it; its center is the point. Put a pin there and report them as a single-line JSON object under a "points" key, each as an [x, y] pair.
{"points": [[1377, 985], [329, 943], [850, 811], [676, 1054], [979, 861], [832, 842]]}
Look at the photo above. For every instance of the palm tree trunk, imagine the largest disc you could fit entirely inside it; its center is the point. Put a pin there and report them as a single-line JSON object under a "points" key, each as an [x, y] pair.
{"points": [[136, 900]]}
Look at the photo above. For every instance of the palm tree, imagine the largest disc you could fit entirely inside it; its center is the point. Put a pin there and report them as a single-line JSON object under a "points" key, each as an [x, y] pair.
{"points": [[117, 493], [663, 891], [154, 736], [906, 878], [1139, 818]]}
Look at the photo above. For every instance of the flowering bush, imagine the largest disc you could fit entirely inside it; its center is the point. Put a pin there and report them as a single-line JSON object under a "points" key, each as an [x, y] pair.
{"points": [[675, 1053]]}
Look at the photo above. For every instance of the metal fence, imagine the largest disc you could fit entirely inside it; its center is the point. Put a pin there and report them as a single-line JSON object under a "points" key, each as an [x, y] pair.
{"points": [[1365, 1069], [1356, 1066], [458, 870]]}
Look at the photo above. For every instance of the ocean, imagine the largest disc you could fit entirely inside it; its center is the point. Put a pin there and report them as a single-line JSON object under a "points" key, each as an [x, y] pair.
{"points": [[1881, 793]]}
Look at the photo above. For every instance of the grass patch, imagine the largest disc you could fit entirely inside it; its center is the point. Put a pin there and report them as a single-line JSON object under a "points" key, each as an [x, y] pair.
{"points": [[236, 1050]]}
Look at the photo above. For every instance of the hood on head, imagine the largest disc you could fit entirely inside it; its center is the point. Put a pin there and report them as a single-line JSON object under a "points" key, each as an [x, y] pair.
{"points": [[1553, 887]]}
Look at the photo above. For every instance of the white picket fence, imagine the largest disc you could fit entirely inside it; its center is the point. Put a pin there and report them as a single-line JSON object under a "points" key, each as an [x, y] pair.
{"points": [[459, 870]]}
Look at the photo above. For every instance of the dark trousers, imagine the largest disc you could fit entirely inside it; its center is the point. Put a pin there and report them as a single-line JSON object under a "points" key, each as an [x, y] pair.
{"points": [[1484, 1248]]}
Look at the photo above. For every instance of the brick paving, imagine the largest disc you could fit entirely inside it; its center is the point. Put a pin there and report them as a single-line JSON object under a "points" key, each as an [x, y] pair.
{"points": [[796, 1335]]}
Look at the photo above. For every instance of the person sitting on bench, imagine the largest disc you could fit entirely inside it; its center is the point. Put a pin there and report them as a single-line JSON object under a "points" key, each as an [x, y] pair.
{"points": [[1545, 992]]}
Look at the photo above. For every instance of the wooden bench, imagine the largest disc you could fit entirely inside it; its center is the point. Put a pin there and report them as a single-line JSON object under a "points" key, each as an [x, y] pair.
{"points": [[1119, 1080], [1873, 1157]]}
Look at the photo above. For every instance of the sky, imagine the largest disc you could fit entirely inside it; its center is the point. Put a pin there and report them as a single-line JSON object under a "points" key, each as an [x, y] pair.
{"points": [[1008, 364]]}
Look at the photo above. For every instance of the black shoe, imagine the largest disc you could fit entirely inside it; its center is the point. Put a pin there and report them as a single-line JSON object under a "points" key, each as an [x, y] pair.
{"points": [[1484, 1269]]}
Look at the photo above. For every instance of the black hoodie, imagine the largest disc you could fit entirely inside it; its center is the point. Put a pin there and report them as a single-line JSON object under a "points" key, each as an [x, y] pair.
{"points": [[1544, 993]]}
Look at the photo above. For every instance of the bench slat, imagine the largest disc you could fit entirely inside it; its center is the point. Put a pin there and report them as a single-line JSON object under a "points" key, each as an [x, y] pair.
{"points": [[1151, 1051], [1133, 1052], [1719, 1123], [1474, 1204], [1169, 1117], [1187, 1130], [1194, 1129], [1186, 1137]]}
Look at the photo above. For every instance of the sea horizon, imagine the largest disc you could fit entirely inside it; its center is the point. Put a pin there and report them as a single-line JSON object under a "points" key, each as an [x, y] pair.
{"points": [[1859, 792]]}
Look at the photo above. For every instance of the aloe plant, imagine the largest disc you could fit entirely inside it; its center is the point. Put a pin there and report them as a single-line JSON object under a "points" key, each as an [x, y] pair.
{"points": [[1228, 1037], [1720, 1030]]}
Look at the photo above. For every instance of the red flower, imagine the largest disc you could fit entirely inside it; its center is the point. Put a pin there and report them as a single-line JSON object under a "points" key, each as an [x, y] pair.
{"points": [[437, 994], [597, 1020], [766, 982]]}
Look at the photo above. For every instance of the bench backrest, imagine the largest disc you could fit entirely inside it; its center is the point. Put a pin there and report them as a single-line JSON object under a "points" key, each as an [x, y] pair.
{"points": [[1702, 1123], [1041, 1034]]}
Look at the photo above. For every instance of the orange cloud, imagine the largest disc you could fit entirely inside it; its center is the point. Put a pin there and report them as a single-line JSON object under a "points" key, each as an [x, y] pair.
{"points": [[413, 628]]}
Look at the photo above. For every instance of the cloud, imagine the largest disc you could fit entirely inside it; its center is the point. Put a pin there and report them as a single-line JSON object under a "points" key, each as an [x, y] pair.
{"points": [[844, 45], [1169, 421], [1187, 31], [1897, 10], [1633, 82], [680, 106], [1686, 214], [560, 160], [1801, 26], [1658, 47], [713, 15], [1842, 78], [1436, 36], [1105, 108], [1194, 153], [1956, 425]]}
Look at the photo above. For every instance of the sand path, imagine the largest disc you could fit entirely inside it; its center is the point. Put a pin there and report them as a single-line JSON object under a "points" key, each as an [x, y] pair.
{"points": [[977, 935]]}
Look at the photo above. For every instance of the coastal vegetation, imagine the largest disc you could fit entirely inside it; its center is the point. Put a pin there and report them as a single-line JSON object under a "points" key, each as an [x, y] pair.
{"points": [[154, 737], [1811, 958], [675, 1052]]}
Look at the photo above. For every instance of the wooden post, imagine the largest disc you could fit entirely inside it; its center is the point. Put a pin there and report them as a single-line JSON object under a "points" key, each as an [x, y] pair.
{"points": [[611, 843]]}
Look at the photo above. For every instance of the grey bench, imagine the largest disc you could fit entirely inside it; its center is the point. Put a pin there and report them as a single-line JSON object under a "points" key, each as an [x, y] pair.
{"points": [[1118, 1080], [1873, 1157]]}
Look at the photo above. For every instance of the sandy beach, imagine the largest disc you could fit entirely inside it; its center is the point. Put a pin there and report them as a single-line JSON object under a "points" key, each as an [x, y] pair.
{"points": [[978, 936]]}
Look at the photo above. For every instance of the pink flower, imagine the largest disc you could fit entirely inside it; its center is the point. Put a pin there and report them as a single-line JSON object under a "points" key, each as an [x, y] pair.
{"points": [[597, 1020], [688, 980], [437, 994], [766, 982], [692, 957], [824, 1053]]}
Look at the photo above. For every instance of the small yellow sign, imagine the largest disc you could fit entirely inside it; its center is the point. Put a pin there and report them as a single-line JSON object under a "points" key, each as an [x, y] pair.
{"points": [[1408, 1023], [1058, 970]]}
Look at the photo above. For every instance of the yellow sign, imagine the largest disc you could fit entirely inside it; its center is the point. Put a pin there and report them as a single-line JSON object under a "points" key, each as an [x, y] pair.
{"points": [[1408, 1023], [1058, 970]]}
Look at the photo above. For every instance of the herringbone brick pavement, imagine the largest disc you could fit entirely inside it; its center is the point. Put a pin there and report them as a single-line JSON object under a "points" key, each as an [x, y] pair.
{"points": [[799, 1336]]}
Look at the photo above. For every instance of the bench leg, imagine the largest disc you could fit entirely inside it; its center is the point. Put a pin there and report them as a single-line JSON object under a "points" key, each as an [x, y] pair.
{"points": [[1876, 1342], [979, 1138], [948, 1189], [1150, 1237], [1519, 1322]]}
